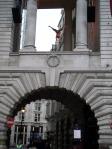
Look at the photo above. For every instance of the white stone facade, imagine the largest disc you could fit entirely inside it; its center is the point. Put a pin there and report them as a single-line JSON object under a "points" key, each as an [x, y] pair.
{"points": [[6, 25], [86, 73], [105, 33]]}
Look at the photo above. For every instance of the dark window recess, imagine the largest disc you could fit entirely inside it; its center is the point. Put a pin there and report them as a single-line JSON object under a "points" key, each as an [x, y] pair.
{"points": [[17, 17], [91, 14]]}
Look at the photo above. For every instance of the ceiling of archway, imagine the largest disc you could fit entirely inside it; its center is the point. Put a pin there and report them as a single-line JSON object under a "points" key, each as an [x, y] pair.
{"points": [[47, 4], [62, 95]]}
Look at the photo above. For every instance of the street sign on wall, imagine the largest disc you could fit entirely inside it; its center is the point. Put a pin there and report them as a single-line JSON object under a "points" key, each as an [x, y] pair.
{"points": [[77, 134]]}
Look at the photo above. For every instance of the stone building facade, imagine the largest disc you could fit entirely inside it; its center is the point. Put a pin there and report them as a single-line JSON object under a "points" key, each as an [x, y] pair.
{"points": [[79, 77], [32, 122]]}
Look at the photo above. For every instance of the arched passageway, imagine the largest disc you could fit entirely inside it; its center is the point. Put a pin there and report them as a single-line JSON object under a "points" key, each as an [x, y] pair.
{"points": [[82, 116], [62, 95]]}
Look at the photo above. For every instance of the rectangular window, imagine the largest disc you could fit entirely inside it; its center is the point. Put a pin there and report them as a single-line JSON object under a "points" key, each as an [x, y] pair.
{"points": [[38, 117], [35, 117], [22, 117], [20, 129], [41, 129], [19, 116], [15, 128], [32, 128], [37, 106]]}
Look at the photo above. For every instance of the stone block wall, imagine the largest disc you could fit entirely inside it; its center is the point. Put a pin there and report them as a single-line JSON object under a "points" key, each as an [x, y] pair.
{"points": [[105, 33], [6, 25]]}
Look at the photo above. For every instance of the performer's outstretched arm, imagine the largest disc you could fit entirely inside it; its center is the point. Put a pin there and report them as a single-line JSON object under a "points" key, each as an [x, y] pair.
{"points": [[57, 31], [53, 29]]}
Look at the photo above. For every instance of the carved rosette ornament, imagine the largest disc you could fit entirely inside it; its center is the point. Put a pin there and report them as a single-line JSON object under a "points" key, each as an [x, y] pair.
{"points": [[53, 61]]}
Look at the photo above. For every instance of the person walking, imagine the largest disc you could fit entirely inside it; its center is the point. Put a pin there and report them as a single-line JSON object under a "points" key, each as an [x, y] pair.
{"points": [[20, 145]]}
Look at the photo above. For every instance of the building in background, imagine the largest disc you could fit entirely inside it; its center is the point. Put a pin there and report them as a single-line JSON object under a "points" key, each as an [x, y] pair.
{"points": [[30, 124], [60, 125]]}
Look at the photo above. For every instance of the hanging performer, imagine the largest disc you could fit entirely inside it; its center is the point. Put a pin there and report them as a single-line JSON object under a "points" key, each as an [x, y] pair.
{"points": [[58, 32]]}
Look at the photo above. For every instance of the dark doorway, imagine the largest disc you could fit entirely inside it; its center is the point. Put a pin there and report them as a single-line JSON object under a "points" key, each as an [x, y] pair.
{"points": [[91, 129]]}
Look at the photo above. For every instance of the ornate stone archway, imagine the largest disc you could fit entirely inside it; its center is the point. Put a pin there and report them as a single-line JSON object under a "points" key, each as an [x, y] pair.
{"points": [[73, 102], [93, 86]]}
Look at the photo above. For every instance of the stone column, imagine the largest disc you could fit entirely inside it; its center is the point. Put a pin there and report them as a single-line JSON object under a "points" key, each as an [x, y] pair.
{"points": [[81, 24], [30, 31], [68, 29]]}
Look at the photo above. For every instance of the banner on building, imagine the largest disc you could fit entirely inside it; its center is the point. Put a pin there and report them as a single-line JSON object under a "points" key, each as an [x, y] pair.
{"points": [[10, 122]]}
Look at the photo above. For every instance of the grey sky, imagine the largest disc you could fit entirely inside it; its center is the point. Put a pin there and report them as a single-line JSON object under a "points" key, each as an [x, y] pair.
{"points": [[45, 36]]}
